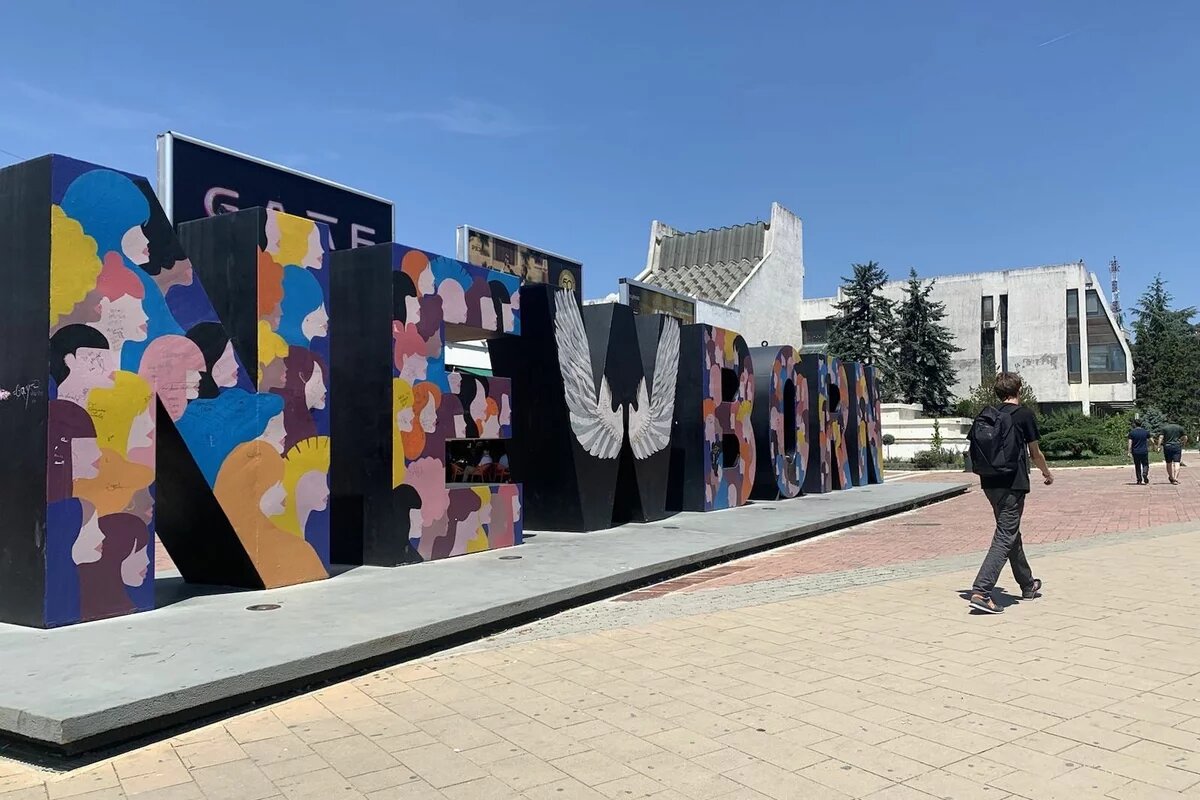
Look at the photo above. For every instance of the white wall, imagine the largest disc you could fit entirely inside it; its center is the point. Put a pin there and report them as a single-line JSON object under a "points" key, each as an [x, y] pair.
{"points": [[914, 432], [770, 298], [472, 355], [720, 316]]}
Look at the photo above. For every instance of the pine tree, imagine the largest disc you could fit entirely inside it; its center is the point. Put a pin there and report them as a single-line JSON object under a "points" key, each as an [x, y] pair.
{"points": [[924, 369], [1166, 356], [864, 328]]}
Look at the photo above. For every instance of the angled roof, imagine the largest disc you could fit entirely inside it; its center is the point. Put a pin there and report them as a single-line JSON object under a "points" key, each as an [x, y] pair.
{"points": [[708, 264]]}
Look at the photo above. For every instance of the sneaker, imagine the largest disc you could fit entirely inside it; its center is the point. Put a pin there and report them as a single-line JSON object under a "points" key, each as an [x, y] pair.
{"points": [[985, 604], [1034, 591]]}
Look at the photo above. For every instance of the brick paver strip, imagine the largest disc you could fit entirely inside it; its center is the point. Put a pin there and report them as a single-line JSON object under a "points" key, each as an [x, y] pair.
{"points": [[865, 682], [1081, 503]]}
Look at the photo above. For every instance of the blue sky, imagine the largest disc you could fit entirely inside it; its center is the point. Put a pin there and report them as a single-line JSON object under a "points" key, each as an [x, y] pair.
{"points": [[946, 135]]}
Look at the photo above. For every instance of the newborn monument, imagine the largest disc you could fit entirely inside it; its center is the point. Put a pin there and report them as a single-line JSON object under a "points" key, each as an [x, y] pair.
{"points": [[265, 406]]}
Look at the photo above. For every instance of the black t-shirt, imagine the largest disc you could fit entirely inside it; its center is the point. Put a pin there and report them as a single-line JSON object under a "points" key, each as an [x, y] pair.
{"points": [[1172, 435], [1025, 426], [1139, 441]]}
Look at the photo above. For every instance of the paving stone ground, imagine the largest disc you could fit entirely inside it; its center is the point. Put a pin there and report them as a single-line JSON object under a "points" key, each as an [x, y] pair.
{"points": [[818, 675]]}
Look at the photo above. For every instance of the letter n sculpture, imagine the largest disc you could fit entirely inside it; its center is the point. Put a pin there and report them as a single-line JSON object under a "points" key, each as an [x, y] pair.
{"points": [[125, 389]]}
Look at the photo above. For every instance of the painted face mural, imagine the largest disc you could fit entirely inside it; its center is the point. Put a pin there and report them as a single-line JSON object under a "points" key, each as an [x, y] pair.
{"points": [[189, 401], [428, 296], [780, 423], [874, 427], [856, 428], [452, 518], [132, 328], [818, 478], [713, 433], [841, 399]]}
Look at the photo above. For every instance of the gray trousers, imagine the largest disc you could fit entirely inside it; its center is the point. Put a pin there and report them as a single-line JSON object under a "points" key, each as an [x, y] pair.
{"points": [[1008, 506]]}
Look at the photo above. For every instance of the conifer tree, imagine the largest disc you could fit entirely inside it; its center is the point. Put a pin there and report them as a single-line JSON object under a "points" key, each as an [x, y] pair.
{"points": [[864, 327], [1166, 356], [924, 369]]}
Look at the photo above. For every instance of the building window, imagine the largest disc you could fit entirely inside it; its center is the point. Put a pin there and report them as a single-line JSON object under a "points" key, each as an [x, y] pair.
{"points": [[987, 353], [1105, 355], [1074, 356], [815, 331], [1106, 358], [1004, 332], [989, 309]]}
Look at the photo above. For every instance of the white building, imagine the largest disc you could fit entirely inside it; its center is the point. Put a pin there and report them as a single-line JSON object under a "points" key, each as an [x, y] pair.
{"points": [[1053, 325], [748, 278]]}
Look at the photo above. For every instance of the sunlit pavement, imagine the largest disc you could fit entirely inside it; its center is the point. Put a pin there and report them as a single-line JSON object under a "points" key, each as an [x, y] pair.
{"points": [[846, 666]]}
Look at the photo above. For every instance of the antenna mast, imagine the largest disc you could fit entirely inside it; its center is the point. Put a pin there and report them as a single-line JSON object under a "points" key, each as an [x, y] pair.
{"points": [[1114, 271]]}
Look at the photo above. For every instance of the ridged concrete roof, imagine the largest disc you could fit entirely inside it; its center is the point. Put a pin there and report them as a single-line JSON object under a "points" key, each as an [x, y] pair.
{"points": [[709, 264]]}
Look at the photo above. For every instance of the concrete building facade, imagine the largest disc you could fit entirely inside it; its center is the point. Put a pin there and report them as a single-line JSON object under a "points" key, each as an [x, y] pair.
{"points": [[1051, 324], [755, 269]]}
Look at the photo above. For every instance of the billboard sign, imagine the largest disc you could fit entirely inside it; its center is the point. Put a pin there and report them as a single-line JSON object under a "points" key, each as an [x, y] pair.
{"points": [[484, 249], [646, 299], [197, 179]]}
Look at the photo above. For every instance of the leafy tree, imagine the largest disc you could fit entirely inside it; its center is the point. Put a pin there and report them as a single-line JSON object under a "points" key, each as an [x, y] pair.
{"points": [[865, 325], [924, 370], [984, 395], [1166, 356]]}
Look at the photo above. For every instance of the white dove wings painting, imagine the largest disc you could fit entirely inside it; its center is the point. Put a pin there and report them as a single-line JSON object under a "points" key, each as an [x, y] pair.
{"points": [[600, 427]]}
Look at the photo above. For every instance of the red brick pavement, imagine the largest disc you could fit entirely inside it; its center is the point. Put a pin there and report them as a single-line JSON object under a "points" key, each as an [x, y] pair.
{"points": [[1081, 503]]}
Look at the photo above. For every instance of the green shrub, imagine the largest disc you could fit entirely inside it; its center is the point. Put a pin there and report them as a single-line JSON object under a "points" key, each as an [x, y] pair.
{"points": [[1100, 435], [936, 458], [1075, 441], [1062, 420], [888, 440]]}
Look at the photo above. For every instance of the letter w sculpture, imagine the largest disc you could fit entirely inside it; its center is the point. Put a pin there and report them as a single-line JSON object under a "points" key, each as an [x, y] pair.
{"points": [[591, 442]]}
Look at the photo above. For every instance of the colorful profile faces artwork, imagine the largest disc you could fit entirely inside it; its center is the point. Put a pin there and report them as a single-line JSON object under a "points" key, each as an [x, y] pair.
{"points": [[431, 406], [840, 419], [857, 429], [130, 326], [874, 426], [728, 429], [788, 449]]}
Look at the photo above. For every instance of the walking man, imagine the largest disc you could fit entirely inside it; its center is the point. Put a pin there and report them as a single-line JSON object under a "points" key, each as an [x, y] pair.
{"points": [[1172, 439], [1139, 451], [1003, 440]]}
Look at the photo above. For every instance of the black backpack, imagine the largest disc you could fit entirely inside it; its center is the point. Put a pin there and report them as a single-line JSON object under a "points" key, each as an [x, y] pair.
{"points": [[995, 448]]}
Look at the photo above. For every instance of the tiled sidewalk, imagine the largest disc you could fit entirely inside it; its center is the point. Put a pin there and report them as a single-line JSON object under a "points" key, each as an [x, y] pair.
{"points": [[889, 691]]}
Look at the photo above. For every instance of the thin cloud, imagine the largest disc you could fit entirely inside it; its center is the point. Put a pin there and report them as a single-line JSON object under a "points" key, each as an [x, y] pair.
{"points": [[472, 118], [1056, 39], [89, 112]]}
